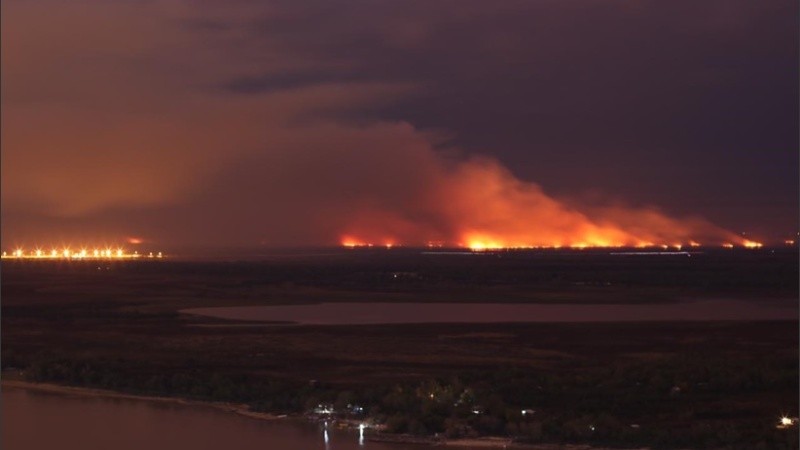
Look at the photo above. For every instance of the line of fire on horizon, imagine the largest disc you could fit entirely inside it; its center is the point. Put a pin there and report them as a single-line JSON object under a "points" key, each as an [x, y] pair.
{"points": [[491, 245], [66, 253]]}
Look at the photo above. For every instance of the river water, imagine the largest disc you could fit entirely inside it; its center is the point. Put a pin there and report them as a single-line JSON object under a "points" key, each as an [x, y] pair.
{"points": [[34, 420], [397, 313]]}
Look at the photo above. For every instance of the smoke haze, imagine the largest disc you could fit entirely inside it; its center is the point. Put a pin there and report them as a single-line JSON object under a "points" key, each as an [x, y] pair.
{"points": [[274, 124]]}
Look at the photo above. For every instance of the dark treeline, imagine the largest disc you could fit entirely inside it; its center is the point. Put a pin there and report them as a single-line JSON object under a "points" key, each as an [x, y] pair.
{"points": [[669, 403]]}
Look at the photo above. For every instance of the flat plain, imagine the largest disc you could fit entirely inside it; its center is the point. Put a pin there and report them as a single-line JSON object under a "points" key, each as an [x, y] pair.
{"points": [[717, 384]]}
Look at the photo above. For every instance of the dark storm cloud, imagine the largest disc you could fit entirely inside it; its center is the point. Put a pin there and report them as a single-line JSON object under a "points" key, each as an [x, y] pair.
{"points": [[219, 116]]}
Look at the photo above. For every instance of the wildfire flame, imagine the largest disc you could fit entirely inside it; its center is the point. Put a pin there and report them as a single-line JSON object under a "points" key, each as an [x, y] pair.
{"points": [[481, 206], [752, 244]]}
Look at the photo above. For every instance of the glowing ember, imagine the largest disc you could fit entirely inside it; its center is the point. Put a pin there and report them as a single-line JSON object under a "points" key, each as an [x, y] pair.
{"points": [[480, 243], [67, 253], [752, 244], [354, 244]]}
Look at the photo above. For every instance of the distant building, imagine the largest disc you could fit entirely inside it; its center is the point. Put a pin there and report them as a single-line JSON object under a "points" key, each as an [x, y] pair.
{"points": [[324, 409]]}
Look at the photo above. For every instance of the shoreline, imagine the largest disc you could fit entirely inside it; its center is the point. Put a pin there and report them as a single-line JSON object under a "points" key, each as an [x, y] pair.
{"points": [[244, 410], [240, 409]]}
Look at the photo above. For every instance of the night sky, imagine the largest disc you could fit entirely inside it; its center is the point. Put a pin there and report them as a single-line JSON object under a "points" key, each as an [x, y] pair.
{"points": [[295, 123]]}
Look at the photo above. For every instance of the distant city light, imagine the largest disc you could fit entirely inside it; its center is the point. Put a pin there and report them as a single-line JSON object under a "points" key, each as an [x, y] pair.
{"points": [[785, 422], [67, 253]]}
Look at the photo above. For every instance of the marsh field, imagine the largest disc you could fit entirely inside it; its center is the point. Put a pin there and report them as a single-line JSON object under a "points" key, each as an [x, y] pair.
{"points": [[662, 384]]}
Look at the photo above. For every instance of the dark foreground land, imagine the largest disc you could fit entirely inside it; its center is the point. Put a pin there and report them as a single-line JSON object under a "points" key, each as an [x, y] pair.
{"points": [[664, 385]]}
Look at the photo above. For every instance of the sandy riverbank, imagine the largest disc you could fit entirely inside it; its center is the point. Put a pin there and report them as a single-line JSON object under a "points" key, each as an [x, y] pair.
{"points": [[240, 409]]}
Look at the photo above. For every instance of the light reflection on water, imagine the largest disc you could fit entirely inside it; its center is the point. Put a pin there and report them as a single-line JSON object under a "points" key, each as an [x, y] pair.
{"points": [[33, 420]]}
